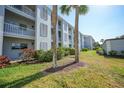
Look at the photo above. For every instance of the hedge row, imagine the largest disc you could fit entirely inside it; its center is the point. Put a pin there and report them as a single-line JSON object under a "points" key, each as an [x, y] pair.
{"points": [[46, 56], [111, 53]]}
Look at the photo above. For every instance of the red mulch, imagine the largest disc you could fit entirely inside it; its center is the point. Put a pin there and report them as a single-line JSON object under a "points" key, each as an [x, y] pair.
{"points": [[67, 67]]}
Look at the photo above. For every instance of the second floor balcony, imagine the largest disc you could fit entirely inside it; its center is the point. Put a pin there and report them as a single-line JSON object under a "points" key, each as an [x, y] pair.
{"points": [[18, 31]]}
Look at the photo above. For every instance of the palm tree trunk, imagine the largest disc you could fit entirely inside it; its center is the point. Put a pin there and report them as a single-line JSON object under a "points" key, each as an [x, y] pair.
{"points": [[54, 22], [76, 35]]}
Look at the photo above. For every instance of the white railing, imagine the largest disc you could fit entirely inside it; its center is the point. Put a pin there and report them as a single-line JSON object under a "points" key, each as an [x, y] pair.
{"points": [[23, 9], [18, 30]]}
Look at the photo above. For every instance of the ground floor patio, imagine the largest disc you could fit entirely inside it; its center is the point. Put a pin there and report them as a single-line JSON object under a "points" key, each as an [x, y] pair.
{"points": [[12, 46]]}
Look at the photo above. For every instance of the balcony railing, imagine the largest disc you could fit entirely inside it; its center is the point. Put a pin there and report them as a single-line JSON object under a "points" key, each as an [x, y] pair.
{"points": [[18, 30], [23, 9]]}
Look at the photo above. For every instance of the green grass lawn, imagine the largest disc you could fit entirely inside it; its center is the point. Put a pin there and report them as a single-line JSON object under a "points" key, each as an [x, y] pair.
{"points": [[100, 71]]}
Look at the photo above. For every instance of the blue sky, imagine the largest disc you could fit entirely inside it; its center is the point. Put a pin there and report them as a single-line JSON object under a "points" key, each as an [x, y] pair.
{"points": [[102, 22]]}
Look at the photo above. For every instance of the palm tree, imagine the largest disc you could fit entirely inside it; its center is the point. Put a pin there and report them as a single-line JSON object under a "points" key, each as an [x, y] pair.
{"points": [[79, 9], [54, 23]]}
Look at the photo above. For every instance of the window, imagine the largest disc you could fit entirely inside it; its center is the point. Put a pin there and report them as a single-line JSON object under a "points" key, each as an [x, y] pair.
{"points": [[60, 44], [19, 46], [65, 36], [65, 26], [44, 13], [59, 34], [69, 37], [70, 45], [43, 45], [15, 46], [23, 45], [60, 24], [69, 29], [43, 30]]}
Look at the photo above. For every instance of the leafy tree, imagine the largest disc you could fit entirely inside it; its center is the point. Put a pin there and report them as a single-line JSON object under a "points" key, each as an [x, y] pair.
{"points": [[102, 40], [96, 45]]}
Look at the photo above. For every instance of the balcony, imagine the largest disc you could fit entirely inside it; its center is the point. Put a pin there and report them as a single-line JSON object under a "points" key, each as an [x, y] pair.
{"points": [[59, 39], [22, 10], [18, 31], [59, 27]]}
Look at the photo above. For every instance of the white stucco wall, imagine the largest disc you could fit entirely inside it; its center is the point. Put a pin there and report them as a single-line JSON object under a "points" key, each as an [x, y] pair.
{"points": [[72, 37], [38, 38], [82, 41], [71, 41], [108, 47], [65, 43], [1, 28], [88, 41], [79, 41], [117, 45]]}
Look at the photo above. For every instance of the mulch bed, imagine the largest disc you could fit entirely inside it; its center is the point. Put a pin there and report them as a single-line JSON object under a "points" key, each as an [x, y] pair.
{"points": [[30, 62], [67, 67]]}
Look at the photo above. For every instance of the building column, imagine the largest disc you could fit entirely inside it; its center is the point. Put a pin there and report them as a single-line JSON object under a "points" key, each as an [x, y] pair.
{"points": [[42, 42], [1, 28], [108, 46]]}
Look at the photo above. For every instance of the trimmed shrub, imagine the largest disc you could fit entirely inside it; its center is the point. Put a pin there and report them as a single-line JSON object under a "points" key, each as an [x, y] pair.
{"points": [[122, 52], [96, 48], [27, 54], [66, 53], [113, 53], [85, 49], [4, 61], [46, 56], [100, 51], [72, 51], [60, 53], [38, 54]]}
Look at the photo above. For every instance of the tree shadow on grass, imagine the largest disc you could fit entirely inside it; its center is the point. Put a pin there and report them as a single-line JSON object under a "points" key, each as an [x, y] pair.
{"points": [[23, 81]]}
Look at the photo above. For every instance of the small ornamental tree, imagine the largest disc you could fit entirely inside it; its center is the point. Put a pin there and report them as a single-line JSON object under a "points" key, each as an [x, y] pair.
{"points": [[27, 54], [4, 61]]}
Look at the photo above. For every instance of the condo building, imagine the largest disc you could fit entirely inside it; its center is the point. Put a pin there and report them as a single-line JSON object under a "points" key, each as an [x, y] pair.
{"points": [[29, 26], [88, 41]]}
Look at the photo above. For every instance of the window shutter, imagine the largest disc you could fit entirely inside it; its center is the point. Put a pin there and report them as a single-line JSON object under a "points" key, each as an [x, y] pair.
{"points": [[43, 30], [43, 45]]}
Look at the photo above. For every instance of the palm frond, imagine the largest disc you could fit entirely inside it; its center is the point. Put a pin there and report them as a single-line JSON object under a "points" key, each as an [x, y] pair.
{"points": [[65, 9], [83, 9]]}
